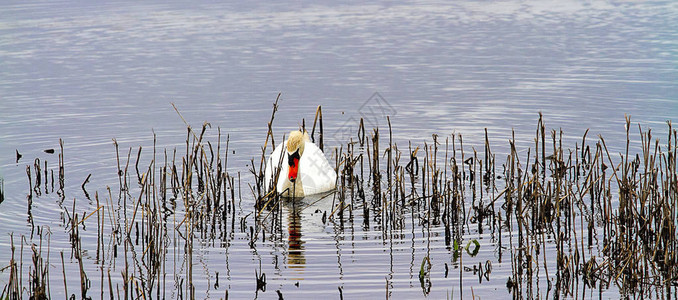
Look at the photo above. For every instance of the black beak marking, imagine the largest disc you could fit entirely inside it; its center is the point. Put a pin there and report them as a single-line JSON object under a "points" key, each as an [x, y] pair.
{"points": [[291, 157]]}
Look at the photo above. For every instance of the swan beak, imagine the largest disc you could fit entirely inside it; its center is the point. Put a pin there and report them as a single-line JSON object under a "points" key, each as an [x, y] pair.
{"points": [[293, 161]]}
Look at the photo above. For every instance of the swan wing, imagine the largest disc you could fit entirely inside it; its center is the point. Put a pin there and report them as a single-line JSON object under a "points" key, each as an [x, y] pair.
{"points": [[271, 165], [316, 174]]}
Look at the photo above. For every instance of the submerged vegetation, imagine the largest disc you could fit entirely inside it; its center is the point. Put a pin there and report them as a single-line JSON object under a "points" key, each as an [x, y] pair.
{"points": [[580, 218]]}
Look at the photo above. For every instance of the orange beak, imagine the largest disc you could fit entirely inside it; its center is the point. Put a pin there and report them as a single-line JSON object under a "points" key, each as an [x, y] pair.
{"points": [[293, 161]]}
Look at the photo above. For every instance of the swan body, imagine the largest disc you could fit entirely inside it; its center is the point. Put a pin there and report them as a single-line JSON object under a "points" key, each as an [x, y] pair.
{"points": [[304, 170]]}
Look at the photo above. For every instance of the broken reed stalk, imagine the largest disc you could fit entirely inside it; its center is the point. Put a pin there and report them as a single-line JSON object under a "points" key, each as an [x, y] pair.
{"points": [[318, 117], [2, 189]]}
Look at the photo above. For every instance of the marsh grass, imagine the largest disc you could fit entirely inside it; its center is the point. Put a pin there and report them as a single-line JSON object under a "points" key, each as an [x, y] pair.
{"points": [[607, 219]]}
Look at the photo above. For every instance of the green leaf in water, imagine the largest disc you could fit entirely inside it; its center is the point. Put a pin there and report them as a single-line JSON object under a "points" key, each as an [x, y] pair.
{"points": [[423, 270], [475, 249], [456, 252]]}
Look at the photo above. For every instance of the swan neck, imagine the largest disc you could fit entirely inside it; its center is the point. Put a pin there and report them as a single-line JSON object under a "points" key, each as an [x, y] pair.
{"points": [[293, 189]]}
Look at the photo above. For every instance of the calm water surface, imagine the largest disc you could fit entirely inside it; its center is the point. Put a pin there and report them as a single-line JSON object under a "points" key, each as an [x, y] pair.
{"points": [[88, 72]]}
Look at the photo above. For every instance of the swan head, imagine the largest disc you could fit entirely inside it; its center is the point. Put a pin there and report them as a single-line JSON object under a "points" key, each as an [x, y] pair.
{"points": [[295, 149]]}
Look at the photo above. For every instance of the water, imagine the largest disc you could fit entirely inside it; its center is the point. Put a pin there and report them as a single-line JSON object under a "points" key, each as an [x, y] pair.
{"points": [[90, 72]]}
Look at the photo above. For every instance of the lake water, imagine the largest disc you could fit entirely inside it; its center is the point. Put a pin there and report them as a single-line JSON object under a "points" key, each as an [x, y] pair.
{"points": [[88, 72]]}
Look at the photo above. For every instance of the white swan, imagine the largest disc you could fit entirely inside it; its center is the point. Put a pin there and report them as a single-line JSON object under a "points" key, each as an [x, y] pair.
{"points": [[304, 170]]}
